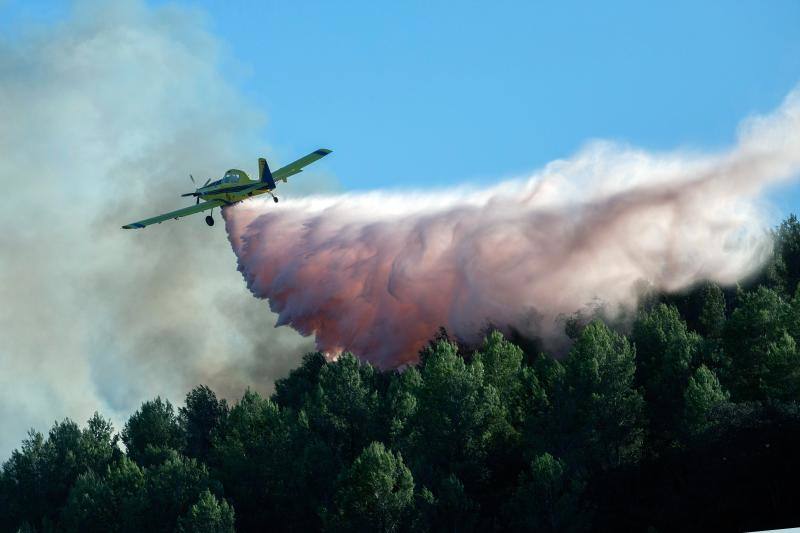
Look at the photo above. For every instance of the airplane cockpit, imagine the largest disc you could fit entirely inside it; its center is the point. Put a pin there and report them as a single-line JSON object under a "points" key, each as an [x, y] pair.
{"points": [[230, 177]]}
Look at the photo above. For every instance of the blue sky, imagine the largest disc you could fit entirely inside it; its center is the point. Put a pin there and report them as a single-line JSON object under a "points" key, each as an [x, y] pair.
{"points": [[416, 93]]}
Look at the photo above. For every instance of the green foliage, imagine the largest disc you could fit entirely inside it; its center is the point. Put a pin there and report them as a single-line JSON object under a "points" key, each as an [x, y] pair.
{"points": [[294, 390], [90, 506], [374, 493], [502, 367], [43, 472], [783, 270], [115, 502], [547, 499], [703, 393], [152, 433], [502, 363], [208, 515], [401, 402], [756, 327], [665, 351], [782, 370], [344, 405], [172, 487], [450, 509], [712, 311], [599, 410], [253, 456], [23, 484], [199, 419], [625, 433], [539, 388], [454, 404]]}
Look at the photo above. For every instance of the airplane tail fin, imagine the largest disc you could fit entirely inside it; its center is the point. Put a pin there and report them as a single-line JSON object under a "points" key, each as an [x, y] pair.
{"points": [[264, 174]]}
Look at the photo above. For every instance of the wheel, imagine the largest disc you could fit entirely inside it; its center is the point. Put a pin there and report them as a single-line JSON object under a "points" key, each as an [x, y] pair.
{"points": [[275, 198], [210, 220]]}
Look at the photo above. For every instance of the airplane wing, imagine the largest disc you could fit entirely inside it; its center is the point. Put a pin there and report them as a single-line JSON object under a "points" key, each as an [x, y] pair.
{"points": [[297, 166], [174, 214]]}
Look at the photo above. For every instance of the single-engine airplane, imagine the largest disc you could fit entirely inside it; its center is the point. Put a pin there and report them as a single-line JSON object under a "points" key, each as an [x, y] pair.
{"points": [[234, 187]]}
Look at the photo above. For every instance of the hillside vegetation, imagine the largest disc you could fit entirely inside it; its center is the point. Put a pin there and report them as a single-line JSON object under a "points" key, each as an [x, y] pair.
{"points": [[688, 419]]}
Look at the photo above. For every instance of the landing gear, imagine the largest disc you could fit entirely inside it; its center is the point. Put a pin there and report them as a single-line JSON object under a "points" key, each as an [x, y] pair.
{"points": [[210, 220], [275, 198]]}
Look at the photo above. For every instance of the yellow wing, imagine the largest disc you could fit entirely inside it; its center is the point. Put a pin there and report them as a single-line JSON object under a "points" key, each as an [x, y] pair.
{"points": [[297, 166], [174, 214]]}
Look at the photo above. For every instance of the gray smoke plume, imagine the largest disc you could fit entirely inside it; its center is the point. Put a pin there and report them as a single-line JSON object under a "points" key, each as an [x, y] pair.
{"points": [[102, 117], [378, 273]]}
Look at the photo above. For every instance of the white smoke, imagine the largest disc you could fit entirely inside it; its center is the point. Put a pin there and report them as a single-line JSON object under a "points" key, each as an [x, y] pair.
{"points": [[102, 118], [378, 273]]}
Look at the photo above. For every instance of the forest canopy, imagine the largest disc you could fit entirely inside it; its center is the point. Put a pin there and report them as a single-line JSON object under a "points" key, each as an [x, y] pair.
{"points": [[686, 418]]}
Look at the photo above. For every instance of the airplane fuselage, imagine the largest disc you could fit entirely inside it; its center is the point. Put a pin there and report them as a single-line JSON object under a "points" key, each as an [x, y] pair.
{"points": [[231, 194], [234, 187]]}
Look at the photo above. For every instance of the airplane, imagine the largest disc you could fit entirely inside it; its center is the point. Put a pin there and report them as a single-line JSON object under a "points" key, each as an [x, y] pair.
{"points": [[234, 187]]}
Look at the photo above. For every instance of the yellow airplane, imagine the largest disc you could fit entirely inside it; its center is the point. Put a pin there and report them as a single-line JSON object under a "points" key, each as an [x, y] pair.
{"points": [[233, 187]]}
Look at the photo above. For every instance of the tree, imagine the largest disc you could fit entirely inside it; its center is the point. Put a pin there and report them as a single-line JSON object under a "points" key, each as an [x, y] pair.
{"points": [[336, 421], [23, 485], [703, 393], [454, 405], [401, 402], [172, 487], [151, 432], [758, 323], [344, 408], [539, 387], [665, 349], [37, 480], [547, 498], [90, 506], [255, 460], [208, 515], [783, 271], [502, 367], [199, 419], [128, 484], [293, 391], [114, 502], [712, 311], [98, 444], [374, 493], [782, 370], [450, 509], [598, 416]]}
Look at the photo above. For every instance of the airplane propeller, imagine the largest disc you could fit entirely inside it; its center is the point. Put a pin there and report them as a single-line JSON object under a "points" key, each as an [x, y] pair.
{"points": [[195, 184], [195, 192]]}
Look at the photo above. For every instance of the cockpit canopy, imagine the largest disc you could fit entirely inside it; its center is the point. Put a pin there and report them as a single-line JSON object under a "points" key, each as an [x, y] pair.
{"points": [[234, 176]]}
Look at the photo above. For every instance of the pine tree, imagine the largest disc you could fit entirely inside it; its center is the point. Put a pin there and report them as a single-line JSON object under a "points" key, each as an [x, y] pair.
{"points": [[375, 493], [703, 393]]}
